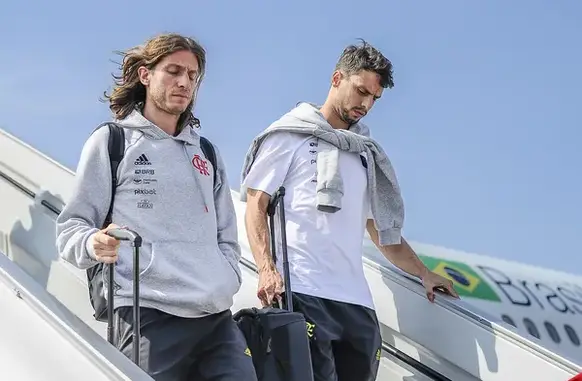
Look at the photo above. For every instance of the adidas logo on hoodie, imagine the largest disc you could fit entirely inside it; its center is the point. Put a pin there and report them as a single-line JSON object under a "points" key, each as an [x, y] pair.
{"points": [[142, 160]]}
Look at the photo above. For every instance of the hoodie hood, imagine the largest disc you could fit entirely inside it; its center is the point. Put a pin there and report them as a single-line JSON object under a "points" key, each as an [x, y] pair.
{"points": [[309, 115], [137, 121]]}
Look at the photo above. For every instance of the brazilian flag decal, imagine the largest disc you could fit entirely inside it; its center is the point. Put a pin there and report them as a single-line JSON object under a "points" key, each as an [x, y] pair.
{"points": [[466, 281]]}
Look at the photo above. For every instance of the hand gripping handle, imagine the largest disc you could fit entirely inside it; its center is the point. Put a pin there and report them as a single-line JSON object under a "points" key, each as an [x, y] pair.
{"points": [[124, 234]]}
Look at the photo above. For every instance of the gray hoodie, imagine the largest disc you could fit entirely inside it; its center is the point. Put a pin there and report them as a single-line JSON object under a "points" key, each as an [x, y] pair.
{"points": [[386, 202], [190, 251]]}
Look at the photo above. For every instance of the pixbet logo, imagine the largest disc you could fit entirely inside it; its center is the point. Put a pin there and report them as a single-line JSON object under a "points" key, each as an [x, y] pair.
{"points": [[144, 191]]}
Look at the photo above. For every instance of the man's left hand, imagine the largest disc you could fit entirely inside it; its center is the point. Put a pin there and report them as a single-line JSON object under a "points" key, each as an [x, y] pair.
{"points": [[433, 281]]}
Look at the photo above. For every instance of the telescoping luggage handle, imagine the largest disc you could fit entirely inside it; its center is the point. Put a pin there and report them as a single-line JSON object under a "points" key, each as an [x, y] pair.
{"points": [[277, 200], [124, 234]]}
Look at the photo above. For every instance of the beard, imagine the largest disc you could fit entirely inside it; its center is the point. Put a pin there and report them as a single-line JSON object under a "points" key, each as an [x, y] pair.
{"points": [[344, 114], [159, 100]]}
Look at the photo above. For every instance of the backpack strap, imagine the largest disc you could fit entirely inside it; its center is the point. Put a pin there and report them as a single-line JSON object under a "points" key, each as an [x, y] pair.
{"points": [[95, 278], [209, 152], [116, 151]]}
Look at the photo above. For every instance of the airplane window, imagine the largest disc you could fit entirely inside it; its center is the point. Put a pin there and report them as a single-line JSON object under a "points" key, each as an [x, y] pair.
{"points": [[531, 328], [552, 331], [508, 320], [572, 335]]}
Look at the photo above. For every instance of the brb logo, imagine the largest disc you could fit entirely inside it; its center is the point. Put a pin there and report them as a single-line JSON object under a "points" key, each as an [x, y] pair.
{"points": [[201, 165]]}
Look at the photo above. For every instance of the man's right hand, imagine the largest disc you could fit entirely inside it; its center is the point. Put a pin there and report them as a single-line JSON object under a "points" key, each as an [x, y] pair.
{"points": [[105, 247], [270, 287]]}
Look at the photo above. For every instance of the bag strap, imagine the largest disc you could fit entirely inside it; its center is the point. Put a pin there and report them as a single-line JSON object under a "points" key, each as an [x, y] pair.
{"points": [[209, 152], [116, 148]]}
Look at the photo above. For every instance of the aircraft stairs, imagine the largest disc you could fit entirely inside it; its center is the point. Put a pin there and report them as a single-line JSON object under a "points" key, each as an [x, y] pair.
{"points": [[48, 331]]}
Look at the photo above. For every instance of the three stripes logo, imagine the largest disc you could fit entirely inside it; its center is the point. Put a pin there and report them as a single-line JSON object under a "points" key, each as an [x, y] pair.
{"points": [[142, 160]]}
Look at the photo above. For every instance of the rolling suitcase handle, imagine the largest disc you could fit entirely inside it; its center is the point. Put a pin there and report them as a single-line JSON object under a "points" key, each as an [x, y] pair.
{"points": [[135, 239], [278, 200], [294, 347]]}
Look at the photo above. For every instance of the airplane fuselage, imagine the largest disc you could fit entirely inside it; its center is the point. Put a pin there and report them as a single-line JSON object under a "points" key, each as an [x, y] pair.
{"points": [[545, 304]]}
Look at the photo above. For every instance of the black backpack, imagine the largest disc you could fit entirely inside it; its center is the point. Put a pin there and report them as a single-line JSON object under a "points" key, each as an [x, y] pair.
{"points": [[116, 151]]}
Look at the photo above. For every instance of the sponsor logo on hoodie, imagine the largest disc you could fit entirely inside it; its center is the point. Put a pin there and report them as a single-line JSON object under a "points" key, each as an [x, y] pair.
{"points": [[145, 191], [142, 160]]}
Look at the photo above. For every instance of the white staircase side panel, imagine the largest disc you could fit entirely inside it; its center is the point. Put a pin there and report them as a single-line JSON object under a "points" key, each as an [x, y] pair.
{"points": [[42, 341]]}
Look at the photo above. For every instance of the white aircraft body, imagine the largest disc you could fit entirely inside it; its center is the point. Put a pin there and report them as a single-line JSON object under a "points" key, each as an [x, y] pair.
{"points": [[541, 303], [514, 321]]}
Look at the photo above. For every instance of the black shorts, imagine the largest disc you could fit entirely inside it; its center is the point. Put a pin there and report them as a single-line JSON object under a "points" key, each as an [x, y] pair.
{"points": [[344, 339], [175, 348]]}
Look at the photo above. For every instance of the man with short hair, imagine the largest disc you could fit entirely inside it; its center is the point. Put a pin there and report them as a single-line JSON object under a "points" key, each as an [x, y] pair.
{"points": [[167, 191], [338, 183]]}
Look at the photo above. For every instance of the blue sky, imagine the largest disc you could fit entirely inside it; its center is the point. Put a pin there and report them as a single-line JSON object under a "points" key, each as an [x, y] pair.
{"points": [[482, 125]]}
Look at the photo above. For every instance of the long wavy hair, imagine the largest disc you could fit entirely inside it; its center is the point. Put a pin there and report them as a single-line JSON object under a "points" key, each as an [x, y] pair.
{"points": [[129, 93]]}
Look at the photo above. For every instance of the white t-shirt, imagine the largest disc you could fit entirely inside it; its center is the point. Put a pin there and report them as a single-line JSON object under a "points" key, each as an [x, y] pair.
{"points": [[324, 249]]}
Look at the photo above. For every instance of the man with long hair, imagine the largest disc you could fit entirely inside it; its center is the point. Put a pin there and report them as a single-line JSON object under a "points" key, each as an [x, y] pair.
{"points": [[168, 192], [339, 182]]}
